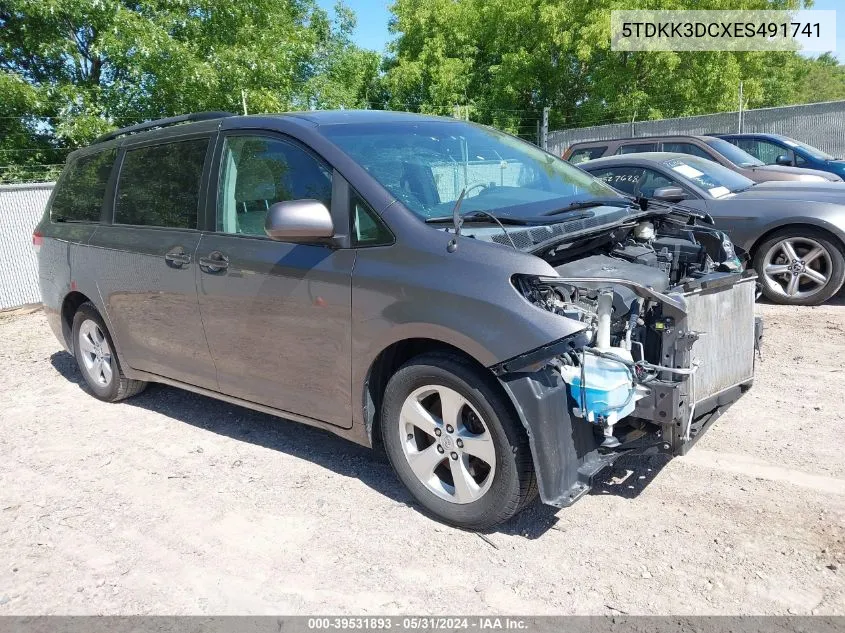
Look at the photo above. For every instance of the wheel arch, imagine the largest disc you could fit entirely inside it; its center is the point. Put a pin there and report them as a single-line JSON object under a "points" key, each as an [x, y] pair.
{"points": [[389, 360], [70, 304], [798, 223]]}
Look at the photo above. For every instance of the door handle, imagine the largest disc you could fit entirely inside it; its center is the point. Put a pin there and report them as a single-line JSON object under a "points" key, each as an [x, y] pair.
{"points": [[177, 257], [214, 262]]}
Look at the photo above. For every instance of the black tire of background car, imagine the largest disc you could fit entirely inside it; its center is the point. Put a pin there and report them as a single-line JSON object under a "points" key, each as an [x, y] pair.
{"points": [[120, 387], [837, 258], [514, 483]]}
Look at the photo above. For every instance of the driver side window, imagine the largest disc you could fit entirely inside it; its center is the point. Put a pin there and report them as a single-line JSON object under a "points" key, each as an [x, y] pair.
{"points": [[256, 172], [624, 179], [653, 180], [763, 150]]}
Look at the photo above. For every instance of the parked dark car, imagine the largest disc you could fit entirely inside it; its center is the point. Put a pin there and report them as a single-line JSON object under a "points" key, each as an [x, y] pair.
{"points": [[775, 149], [499, 320], [709, 147], [793, 231]]}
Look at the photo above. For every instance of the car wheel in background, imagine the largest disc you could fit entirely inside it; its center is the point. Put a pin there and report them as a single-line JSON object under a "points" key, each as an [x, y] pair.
{"points": [[96, 357], [456, 443], [800, 266]]}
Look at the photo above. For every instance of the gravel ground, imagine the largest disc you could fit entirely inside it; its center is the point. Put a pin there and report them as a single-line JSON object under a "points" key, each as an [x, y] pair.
{"points": [[176, 503]]}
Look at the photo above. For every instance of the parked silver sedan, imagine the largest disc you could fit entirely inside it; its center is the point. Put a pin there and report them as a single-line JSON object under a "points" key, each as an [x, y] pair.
{"points": [[793, 231]]}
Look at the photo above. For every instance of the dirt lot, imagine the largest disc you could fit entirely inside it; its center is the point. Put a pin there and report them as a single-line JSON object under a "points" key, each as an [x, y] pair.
{"points": [[175, 503]]}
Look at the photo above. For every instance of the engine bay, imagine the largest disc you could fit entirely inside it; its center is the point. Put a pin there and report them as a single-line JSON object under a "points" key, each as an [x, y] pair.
{"points": [[619, 289]]}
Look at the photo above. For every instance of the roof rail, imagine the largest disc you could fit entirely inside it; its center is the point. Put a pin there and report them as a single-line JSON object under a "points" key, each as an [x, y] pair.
{"points": [[159, 123]]}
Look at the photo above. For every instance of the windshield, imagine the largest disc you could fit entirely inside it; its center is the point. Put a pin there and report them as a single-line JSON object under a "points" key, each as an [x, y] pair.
{"points": [[427, 164], [733, 153], [814, 152], [714, 178]]}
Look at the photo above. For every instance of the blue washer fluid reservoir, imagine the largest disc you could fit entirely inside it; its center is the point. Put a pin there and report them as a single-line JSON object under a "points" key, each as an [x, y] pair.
{"points": [[608, 393]]}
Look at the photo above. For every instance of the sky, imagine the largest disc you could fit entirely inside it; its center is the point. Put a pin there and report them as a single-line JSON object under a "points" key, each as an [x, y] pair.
{"points": [[371, 31], [840, 23], [373, 15]]}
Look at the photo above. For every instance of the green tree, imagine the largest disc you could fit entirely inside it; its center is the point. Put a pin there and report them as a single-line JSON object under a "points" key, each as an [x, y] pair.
{"points": [[820, 79], [72, 69], [25, 144], [509, 58]]}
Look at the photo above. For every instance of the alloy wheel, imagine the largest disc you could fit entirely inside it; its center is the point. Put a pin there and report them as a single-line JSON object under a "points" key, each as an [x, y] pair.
{"points": [[95, 353], [797, 267], [447, 444]]}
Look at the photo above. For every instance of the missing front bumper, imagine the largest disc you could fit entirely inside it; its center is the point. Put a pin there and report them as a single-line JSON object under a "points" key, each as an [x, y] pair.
{"points": [[710, 326], [566, 450]]}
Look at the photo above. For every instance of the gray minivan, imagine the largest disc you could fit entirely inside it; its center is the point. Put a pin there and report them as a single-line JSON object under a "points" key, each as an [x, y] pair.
{"points": [[502, 322]]}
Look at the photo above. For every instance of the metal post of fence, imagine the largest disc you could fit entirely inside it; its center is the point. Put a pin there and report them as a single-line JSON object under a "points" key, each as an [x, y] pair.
{"points": [[739, 122], [544, 138]]}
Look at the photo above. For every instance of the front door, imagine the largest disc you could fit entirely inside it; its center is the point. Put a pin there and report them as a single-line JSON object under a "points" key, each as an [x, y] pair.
{"points": [[277, 315]]}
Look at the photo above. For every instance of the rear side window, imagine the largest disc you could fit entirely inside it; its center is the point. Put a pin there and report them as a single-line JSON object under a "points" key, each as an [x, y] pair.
{"points": [[686, 148], [587, 153], [159, 185], [80, 193], [634, 148]]}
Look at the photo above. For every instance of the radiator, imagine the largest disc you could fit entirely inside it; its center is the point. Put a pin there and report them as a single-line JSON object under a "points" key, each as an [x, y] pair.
{"points": [[725, 350]]}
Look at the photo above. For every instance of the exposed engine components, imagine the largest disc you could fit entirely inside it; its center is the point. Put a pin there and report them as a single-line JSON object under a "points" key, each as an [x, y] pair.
{"points": [[603, 385], [644, 231], [622, 296]]}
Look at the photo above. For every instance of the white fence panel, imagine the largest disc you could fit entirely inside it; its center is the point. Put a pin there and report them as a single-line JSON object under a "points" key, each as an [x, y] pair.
{"points": [[21, 207]]}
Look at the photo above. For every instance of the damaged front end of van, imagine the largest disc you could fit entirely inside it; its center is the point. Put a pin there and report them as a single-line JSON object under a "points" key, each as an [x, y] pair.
{"points": [[667, 342]]}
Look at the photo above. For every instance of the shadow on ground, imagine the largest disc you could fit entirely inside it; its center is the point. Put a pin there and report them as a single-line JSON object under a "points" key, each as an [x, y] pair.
{"points": [[329, 451], [629, 476]]}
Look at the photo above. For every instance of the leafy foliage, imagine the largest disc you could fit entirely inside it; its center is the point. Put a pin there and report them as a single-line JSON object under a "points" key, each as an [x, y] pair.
{"points": [[510, 58], [72, 69], [820, 79]]}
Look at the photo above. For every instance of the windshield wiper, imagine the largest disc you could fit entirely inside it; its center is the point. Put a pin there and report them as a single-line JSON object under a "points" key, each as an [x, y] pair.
{"points": [[587, 204], [458, 220]]}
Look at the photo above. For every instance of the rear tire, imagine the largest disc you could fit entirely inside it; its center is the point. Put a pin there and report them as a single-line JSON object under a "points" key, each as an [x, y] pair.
{"points": [[97, 359], [800, 266], [456, 443]]}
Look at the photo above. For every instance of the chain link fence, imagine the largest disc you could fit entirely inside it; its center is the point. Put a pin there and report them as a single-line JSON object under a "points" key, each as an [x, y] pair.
{"points": [[819, 124], [21, 207]]}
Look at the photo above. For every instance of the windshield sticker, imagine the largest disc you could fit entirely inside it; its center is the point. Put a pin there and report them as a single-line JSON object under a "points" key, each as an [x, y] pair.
{"points": [[686, 170], [718, 192]]}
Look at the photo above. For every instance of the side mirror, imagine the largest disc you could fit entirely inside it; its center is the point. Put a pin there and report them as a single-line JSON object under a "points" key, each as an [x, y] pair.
{"points": [[298, 221], [783, 159], [669, 194]]}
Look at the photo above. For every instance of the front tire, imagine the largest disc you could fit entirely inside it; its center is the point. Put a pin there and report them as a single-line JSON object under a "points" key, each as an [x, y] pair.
{"points": [[96, 357], [800, 266], [456, 443]]}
